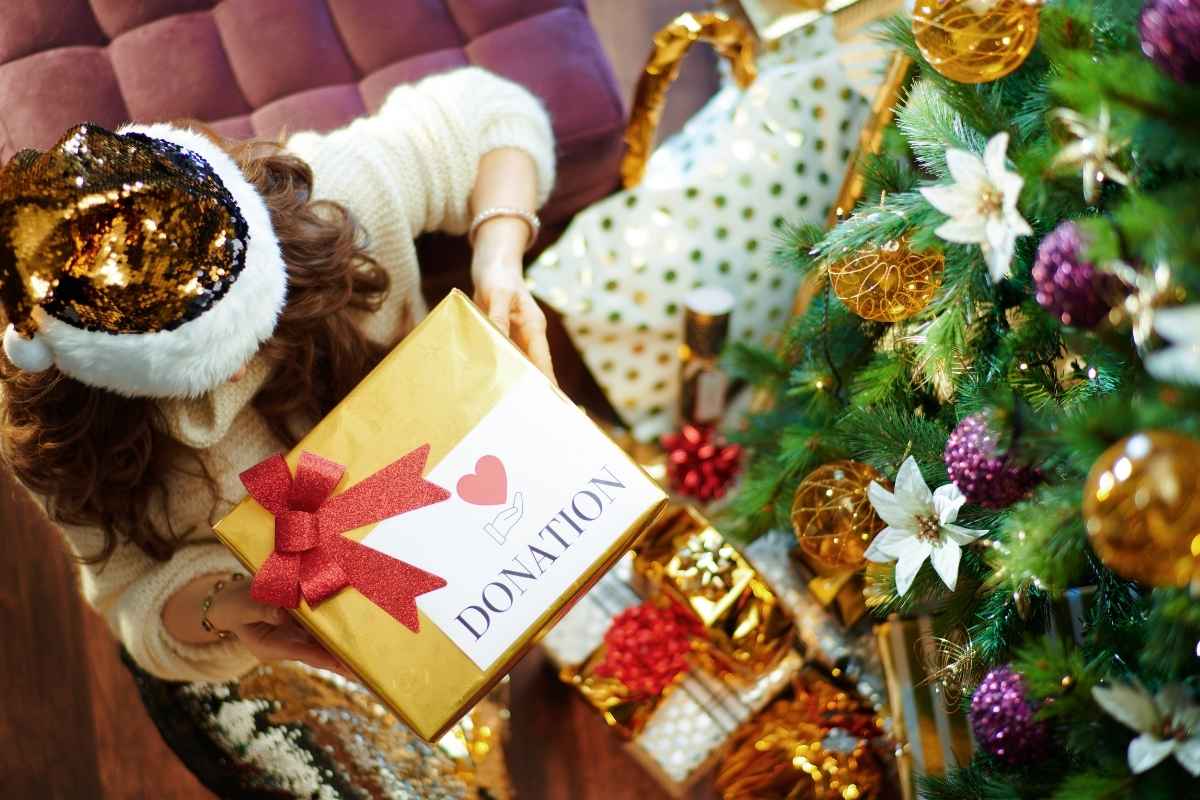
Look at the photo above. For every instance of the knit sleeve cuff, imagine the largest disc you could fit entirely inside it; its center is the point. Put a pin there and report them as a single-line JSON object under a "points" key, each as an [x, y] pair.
{"points": [[530, 135], [477, 111], [138, 620]]}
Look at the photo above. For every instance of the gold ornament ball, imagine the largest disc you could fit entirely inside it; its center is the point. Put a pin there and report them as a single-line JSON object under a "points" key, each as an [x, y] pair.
{"points": [[887, 283], [974, 41], [1141, 508], [833, 519]]}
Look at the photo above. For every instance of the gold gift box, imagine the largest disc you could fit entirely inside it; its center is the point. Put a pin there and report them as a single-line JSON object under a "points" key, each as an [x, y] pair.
{"points": [[433, 388], [932, 733], [625, 714], [747, 630], [838, 590], [774, 19]]}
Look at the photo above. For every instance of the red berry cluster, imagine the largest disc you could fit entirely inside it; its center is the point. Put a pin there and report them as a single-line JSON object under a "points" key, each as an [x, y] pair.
{"points": [[699, 462], [646, 648]]}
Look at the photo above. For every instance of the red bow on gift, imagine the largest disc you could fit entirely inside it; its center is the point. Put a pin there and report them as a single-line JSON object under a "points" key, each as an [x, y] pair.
{"points": [[311, 556]]}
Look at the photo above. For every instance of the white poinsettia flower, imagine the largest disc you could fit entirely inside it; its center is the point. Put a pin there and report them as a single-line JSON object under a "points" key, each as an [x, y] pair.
{"points": [[1180, 361], [920, 525], [982, 204], [1169, 724]]}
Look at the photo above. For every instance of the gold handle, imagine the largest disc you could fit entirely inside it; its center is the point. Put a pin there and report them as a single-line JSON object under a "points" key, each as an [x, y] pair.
{"points": [[732, 41], [870, 140]]}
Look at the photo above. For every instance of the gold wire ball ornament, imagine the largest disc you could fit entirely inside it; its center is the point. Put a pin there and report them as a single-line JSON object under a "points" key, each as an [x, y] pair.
{"points": [[833, 519], [1141, 510], [975, 41], [889, 282]]}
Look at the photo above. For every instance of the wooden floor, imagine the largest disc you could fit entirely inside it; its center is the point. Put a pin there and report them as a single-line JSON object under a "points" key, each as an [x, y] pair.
{"points": [[71, 725]]}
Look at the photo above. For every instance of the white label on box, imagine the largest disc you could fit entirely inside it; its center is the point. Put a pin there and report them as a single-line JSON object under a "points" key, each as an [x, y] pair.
{"points": [[538, 496]]}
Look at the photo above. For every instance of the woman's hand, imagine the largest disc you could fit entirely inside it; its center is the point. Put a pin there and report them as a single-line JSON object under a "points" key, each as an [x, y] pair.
{"points": [[270, 633], [508, 179], [501, 292]]}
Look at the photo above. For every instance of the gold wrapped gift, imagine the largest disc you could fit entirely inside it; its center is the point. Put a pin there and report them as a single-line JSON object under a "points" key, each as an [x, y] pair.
{"points": [[625, 713], [932, 732], [747, 630], [840, 591], [513, 504]]}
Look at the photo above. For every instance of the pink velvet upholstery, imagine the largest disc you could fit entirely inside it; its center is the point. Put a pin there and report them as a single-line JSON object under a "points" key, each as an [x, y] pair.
{"points": [[260, 67]]}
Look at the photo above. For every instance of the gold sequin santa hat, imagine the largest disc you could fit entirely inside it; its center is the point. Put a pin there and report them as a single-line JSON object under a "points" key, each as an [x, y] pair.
{"points": [[141, 261]]}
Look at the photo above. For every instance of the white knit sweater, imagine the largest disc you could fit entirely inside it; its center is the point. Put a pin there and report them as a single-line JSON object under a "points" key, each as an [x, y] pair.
{"points": [[409, 168]]}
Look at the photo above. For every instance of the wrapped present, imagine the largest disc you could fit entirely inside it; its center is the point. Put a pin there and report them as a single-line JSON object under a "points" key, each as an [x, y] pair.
{"points": [[701, 210], [692, 728], [840, 591], [848, 653], [1068, 617], [684, 732], [644, 656], [815, 742], [685, 557], [930, 729], [455, 444]]}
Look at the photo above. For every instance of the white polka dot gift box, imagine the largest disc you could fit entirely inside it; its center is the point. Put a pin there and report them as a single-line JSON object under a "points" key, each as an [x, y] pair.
{"points": [[707, 213]]}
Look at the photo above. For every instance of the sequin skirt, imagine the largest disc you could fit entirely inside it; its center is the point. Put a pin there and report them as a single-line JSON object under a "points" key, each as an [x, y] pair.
{"points": [[286, 730]]}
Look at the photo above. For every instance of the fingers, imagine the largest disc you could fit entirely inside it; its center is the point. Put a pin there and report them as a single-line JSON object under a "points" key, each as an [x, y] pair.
{"points": [[261, 612], [530, 333], [234, 607], [289, 642], [499, 309]]}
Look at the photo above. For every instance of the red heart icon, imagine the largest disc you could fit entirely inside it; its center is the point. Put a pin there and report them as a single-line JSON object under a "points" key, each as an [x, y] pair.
{"points": [[487, 486]]}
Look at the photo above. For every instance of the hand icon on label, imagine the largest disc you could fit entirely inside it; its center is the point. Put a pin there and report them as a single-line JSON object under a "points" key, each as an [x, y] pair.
{"points": [[506, 520]]}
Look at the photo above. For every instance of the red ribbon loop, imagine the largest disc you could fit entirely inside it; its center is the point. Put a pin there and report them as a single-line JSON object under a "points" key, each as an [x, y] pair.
{"points": [[312, 559], [296, 531]]}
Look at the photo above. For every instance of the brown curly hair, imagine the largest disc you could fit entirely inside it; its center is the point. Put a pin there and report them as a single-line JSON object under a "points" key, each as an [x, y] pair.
{"points": [[104, 460]]}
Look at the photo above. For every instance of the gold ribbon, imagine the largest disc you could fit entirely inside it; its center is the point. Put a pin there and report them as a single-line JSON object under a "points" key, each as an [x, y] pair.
{"points": [[731, 39], [685, 558]]}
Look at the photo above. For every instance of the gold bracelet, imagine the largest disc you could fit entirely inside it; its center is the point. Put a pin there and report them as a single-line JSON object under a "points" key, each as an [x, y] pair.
{"points": [[528, 217], [206, 606]]}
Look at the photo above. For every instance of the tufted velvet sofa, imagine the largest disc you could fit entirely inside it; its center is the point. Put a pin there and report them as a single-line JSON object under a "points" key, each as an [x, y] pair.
{"points": [[262, 67], [259, 67]]}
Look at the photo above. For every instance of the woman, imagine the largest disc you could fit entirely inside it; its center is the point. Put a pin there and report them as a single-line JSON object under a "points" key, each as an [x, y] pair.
{"points": [[180, 309]]}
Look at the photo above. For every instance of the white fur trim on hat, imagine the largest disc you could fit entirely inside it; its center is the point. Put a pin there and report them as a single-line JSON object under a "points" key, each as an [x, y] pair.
{"points": [[204, 352]]}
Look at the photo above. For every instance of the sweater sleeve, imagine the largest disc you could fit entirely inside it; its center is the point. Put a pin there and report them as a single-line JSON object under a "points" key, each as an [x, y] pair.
{"points": [[130, 590], [423, 146]]}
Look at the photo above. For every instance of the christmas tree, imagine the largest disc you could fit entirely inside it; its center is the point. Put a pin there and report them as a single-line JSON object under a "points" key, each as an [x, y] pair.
{"points": [[1004, 335]]}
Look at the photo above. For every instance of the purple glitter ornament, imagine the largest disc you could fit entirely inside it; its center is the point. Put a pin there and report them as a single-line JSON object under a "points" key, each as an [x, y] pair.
{"points": [[1068, 287], [985, 477], [1003, 722], [1170, 32]]}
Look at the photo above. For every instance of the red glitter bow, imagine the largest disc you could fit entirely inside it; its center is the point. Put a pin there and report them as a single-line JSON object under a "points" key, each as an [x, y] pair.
{"points": [[311, 556]]}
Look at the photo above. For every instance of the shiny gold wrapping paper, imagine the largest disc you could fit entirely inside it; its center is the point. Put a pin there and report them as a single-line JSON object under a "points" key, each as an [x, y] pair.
{"points": [[931, 736], [748, 632], [840, 591], [434, 387], [624, 714]]}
